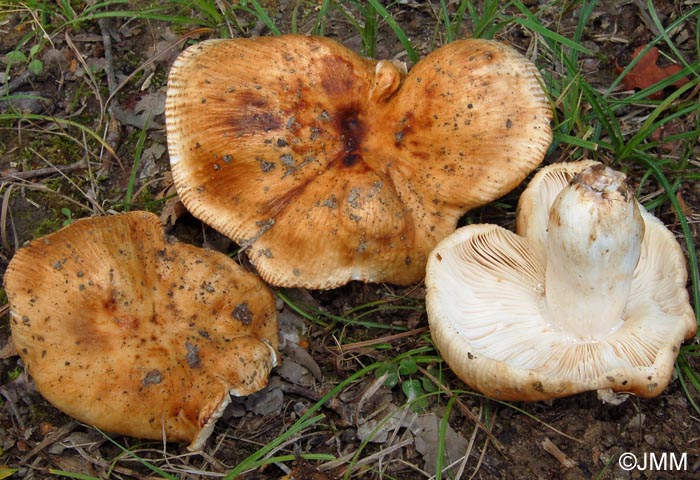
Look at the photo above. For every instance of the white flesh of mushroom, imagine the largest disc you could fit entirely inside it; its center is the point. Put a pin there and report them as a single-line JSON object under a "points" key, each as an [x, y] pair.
{"points": [[593, 245], [601, 305]]}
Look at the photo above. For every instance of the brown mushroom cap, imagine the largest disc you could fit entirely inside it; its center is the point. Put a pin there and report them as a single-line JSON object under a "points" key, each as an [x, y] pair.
{"points": [[136, 335], [335, 168]]}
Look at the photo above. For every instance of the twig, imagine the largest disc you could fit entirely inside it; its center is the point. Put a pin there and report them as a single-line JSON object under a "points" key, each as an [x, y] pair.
{"points": [[332, 404], [88, 73], [42, 172], [50, 439], [43, 188], [10, 401], [549, 447], [114, 126], [644, 15], [468, 451], [4, 213], [19, 81], [386, 339], [109, 58], [340, 461]]}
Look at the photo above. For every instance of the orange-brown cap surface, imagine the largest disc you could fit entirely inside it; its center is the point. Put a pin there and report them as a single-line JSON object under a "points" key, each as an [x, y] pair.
{"points": [[137, 335], [333, 168]]}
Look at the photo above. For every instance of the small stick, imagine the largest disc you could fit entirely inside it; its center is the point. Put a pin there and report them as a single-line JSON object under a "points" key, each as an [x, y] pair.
{"points": [[333, 404], [42, 172], [114, 126], [387, 339], [549, 447], [56, 436]]}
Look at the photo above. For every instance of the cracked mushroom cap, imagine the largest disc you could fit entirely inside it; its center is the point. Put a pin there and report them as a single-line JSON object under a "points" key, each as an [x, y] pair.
{"points": [[137, 335], [331, 167], [593, 299]]}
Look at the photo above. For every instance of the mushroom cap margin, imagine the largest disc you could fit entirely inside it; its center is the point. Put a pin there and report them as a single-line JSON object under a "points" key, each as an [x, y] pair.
{"points": [[137, 335], [388, 189], [512, 354]]}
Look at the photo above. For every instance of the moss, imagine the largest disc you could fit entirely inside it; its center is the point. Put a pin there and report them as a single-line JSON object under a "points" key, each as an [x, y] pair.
{"points": [[48, 225]]}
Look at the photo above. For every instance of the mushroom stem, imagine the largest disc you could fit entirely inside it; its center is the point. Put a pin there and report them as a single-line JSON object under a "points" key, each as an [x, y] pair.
{"points": [[594, 239]]}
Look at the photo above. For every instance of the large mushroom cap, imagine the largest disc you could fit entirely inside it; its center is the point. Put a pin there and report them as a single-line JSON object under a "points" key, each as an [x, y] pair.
{"points": [[136, 335], [494, 297], [333, 168]]}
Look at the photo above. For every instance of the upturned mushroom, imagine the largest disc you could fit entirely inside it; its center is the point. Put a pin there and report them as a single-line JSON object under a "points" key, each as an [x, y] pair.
{"points": [[330, 167], [592, 298], [137, 335]]}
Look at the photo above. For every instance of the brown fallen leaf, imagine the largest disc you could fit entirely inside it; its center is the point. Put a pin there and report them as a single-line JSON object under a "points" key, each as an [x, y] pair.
{"points": [[8, 350], [647, 72]]}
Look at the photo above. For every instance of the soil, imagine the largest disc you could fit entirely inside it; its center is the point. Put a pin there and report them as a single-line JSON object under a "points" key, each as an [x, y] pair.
{"points": [[571, 438]]}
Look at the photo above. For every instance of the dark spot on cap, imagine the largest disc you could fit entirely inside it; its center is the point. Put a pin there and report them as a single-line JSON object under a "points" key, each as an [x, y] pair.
{"points": [[154, 377], [351, 160], [242, 313], [192, 356]]}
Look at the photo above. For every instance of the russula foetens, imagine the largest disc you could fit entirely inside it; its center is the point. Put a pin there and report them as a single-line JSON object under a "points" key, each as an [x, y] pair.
{"points": [[137, 335], [594, 298], [331, 167]]}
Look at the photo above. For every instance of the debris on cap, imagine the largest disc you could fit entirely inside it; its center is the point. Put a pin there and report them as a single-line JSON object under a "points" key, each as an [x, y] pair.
{"points": [[330, 167], [135, 334]]}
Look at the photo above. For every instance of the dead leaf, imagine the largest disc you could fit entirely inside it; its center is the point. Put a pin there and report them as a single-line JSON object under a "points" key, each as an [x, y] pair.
{"points": [[303, 358], [426, 430], [646, 72], [8, 350]]}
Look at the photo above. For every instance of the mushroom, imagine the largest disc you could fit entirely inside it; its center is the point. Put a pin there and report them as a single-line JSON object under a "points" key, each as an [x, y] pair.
{"points": [[330, 167], [137, 335], [592, 299]]}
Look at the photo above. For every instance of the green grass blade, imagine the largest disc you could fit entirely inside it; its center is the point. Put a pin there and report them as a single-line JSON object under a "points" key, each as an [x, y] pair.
{"points": [[650, 124], [685, 228], [695, 12], [449, 33], [323, 12], [135, 167], [261, 14], [391, 21], [532, 23], [142, 461], [686, 373], [60, 121], [585, 14], [304, 422], [319, 314], [576, 141], [444, 423]]}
